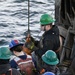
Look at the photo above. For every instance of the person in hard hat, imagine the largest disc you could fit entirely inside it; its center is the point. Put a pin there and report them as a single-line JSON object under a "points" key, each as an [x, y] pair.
{"points": [[22, 60], [17, 49], [5, 68], [50, 61], [48, 73], [50, 38], [14, 44]]}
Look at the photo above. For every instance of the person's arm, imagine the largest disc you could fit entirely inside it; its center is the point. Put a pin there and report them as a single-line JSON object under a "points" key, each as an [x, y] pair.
{"points": [[47, 45], [61, 43]]}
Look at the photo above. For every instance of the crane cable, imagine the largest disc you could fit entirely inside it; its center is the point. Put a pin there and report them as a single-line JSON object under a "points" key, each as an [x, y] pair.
{"points": [[28, 15], [28, 32]]}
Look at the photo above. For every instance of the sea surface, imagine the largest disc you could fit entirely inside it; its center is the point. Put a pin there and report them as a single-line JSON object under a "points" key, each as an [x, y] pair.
{"points": [[14, 18]]}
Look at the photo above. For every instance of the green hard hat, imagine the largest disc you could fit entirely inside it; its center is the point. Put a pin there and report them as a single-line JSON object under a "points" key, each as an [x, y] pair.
{"points": [[50, 58], [5, 53], [46, 19]]}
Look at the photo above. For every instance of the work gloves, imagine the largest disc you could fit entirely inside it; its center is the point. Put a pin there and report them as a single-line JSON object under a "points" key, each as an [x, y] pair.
{"points": [[30, 45]]}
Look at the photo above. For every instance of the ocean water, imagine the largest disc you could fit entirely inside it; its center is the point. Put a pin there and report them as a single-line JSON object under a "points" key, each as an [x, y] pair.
{"points": [[14, 18]]}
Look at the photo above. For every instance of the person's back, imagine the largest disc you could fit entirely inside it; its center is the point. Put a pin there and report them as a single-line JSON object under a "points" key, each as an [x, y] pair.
{"points": [[16, 48], [24, 64], [5, 68], [22, 61]]}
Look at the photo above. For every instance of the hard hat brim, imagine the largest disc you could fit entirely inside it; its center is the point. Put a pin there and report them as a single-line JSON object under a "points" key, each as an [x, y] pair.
{"points": [[5, 57]]}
